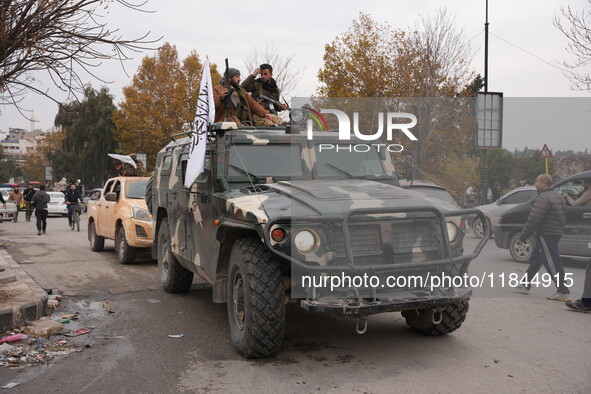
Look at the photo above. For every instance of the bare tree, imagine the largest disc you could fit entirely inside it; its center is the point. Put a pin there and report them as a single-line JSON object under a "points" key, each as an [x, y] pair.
{"points": [[578, 31], [285, 73], [61, 38]]}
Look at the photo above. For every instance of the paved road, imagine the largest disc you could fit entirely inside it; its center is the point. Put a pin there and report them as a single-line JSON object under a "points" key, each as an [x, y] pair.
{"points": [[509, 342]]}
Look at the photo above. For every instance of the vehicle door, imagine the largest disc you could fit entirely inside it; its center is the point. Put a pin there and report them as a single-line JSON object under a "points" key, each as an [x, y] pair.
{"points": [[576, 239], [106, 211], [202, 246]]}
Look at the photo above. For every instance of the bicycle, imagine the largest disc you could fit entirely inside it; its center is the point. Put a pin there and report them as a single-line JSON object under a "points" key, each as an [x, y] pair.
{"points": [[75, 216]]}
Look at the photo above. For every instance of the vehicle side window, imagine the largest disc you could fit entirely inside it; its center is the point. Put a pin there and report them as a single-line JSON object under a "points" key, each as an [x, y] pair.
{"points": [[181, 168], [108, 186], [117, 189], [518, 197], [166, 164]]}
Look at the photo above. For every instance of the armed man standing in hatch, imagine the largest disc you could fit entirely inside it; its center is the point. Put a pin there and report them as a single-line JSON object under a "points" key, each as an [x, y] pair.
{"points": [[264, 89], [234, 104]]}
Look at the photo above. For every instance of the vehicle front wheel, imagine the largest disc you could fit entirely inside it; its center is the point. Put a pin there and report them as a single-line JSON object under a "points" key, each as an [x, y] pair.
{"points": [[173, 276], [439, 321], [478, 228], [125, 253], [520, 253], [97, 243], [256, 299]]}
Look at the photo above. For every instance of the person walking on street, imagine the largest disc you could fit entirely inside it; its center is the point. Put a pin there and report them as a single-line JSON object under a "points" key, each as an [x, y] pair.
{"points": [[40, 201], [546, 222], [17, 197], [72, 198], [2, 200], [583, 304], [28, 194]]}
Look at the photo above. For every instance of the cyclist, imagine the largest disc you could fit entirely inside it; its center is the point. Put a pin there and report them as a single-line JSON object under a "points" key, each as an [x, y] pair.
{"points": [[72, 198]]}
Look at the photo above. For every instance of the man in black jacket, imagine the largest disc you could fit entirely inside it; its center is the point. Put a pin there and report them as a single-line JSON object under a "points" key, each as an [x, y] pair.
{"points": [[546, 222], [72, 198], [29, 193], [40, 201]]}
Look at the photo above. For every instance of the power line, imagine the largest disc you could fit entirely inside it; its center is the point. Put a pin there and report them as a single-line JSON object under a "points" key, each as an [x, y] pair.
{"points": [[537, 57]]}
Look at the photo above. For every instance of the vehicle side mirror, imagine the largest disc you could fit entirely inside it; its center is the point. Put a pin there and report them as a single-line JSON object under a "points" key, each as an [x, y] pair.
{"points": [[499, 201], [111, 196]]}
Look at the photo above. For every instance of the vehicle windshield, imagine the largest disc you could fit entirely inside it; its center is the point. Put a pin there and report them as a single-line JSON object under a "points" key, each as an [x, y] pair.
{"points": [[136, 189], [435, 193], [332, 163], [278, 160]]}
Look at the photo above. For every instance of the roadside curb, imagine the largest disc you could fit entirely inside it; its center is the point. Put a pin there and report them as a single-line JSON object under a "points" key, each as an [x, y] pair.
{"points": [[32, 309]]}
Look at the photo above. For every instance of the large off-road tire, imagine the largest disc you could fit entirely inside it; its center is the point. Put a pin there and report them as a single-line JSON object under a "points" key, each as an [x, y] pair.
{"points": [[149, 196], [125, 253], [520, 253], [97, 243], [478, 228], [173, 276], [256, 299], [452, 316]]}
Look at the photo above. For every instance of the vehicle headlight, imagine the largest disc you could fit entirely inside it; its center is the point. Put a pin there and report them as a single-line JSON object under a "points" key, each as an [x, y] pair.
{"points": [[305, 241], [452, 231], [296, 115], [142, 214]]}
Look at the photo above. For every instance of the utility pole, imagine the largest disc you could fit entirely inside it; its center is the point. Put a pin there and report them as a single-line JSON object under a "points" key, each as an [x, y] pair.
{"points": [[486, 50]]}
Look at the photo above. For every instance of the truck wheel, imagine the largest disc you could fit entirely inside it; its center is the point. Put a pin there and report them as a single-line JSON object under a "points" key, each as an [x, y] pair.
{"points": [[97, 243], [125, 253], [174, 277], [451, 318], [256, 299], [520, 253]]}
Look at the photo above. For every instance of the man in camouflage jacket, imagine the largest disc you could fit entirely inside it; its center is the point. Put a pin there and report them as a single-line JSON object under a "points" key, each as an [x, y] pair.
{"points": [[546, 222]]}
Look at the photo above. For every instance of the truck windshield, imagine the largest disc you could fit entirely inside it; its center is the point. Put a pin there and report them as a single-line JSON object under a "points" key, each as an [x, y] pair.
{"points": [[136, 189], [278, 160], [338, 163]]}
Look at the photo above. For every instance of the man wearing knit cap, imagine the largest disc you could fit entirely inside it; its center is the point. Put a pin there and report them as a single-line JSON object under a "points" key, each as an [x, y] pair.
{"points": [[234, 104]]}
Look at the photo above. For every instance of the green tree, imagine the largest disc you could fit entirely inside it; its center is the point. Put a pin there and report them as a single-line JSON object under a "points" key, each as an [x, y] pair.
{"points": [[531, 166], [88, 138], [375, 60], [7, 167], [500, 167], [161, 101]]}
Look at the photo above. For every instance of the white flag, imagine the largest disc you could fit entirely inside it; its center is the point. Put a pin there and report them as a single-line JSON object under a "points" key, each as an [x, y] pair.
{"points": [[205, 116]]}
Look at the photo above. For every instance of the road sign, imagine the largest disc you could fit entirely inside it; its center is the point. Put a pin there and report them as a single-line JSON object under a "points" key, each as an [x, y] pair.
{"points": [[545, 153]]}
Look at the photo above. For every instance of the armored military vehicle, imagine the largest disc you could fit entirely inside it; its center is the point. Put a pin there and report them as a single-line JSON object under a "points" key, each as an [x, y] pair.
{"points": [[277, 218]]}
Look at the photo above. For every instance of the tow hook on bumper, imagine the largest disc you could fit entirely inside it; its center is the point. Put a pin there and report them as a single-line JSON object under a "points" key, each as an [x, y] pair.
{"points": [[361, 320]]}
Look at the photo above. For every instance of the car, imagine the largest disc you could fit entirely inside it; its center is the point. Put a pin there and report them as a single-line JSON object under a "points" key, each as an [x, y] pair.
{"points": [[9, 212], [121, 214], [576, 239], [57, 204], [495, 210], [272, 211], [93, 195]]}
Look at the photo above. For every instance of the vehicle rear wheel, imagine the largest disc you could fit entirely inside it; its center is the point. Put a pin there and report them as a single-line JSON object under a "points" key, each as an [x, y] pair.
{"points": [[173, 276], [256, 299], [520, 253], [97, 243], [125, 252], [438, 321]]}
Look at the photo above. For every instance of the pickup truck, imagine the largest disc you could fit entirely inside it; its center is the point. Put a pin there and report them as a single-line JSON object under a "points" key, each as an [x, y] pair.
{"points": [[121, 215]]}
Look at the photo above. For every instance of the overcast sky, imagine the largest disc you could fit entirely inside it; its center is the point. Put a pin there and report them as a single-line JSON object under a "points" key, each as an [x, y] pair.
{"points": [[232, 28]]}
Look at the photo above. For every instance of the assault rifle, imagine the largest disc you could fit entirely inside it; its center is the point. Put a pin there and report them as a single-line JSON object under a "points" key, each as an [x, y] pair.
{"points": [[275, 104]]}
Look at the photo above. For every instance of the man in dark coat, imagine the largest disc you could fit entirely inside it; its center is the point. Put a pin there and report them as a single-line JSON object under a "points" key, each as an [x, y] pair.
{"points": [[546, 222], [29, 193], [40, 201], [264, 86]]}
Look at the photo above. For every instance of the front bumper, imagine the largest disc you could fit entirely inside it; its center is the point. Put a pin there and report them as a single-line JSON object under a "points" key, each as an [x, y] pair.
{"points": [[360, 307], [139, 234]]}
